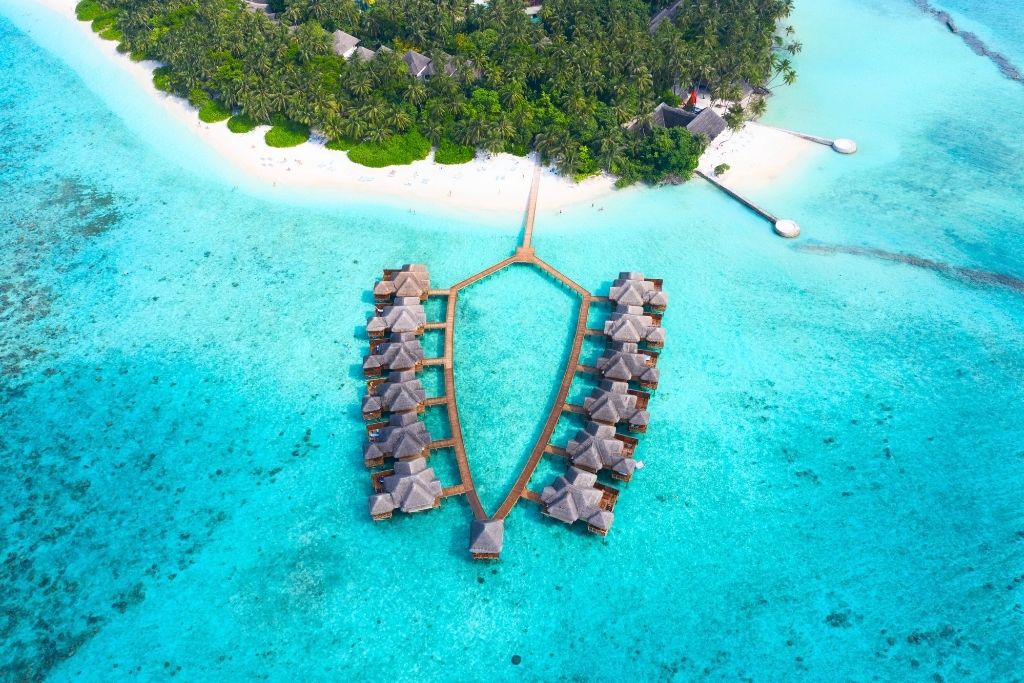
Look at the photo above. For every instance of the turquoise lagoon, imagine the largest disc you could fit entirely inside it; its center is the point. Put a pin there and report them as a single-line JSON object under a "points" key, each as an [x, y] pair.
{"points": [[834, 467]]}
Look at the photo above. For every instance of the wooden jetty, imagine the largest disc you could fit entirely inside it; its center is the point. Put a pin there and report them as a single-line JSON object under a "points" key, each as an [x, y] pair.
{"points": [[784, 227]]}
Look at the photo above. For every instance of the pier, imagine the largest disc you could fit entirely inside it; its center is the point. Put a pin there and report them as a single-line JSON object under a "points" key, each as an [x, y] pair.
{"points": [[783, 227], [841, 145], [488, 529]]}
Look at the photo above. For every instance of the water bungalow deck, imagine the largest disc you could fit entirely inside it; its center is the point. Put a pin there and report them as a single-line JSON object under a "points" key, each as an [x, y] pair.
{"points": [[524, 254]]}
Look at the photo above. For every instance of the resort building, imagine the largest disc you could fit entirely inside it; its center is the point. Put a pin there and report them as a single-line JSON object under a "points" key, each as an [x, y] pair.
{"points": [[410, 487], [631, 289], [598, 447], [405, 315], [363, 54], [259, 6], [576, 495], [400, 392], [402, 437], [631, 325], [613, 403], [344, 44], [411, 280], [624, 362], [420, 66], [707, 122], [668, 14], [402, 351], [486, 538]]}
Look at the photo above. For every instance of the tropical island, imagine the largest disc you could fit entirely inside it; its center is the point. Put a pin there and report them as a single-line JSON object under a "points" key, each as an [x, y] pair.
{"points": [[584, 83]]}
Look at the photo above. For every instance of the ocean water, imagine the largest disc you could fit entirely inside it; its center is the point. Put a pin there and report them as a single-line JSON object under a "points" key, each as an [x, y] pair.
{"points": [[834, 467], [998, 22]]}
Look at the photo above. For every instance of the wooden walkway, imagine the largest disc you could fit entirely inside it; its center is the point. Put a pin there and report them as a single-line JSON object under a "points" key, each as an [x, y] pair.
{"points": [[531, 210], [770, 217], [524, 255]]}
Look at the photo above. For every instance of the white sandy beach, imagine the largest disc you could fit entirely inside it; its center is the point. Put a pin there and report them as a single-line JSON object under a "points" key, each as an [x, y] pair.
{"points": [[758, 155]]}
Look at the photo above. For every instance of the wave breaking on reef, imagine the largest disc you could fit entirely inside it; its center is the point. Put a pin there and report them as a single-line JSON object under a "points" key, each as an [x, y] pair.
{"points": [[972, 276], [973, 41]]}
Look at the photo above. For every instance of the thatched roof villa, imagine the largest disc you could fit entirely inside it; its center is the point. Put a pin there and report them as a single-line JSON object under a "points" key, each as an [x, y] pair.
{"points": [[400, 392], [613, 403], [406, 314], [598, 447], [706, 122], [364, 54], [632, 289], [402, 437], [576, 495], [631, 325], [624, 362], [402, 351], [410, 487], [343, 44], [486, 538], [411, 280], [420, 66]]}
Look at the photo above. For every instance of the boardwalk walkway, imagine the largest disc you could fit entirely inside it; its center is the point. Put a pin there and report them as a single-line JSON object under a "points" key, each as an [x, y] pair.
{"points": [[524, 255], [531, 210]]}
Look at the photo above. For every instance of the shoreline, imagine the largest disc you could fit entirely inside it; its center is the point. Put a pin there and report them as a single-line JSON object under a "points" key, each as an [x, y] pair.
{"points": [[500, 183]]}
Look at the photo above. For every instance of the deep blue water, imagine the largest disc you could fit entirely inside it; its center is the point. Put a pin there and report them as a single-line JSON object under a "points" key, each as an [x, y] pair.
{"points": [[834, 466]]}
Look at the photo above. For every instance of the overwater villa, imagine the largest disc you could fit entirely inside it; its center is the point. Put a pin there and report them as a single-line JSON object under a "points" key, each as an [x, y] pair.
{"points": [[411, 280], [626, 362], [613, 403], [394, 404], [399, 392], [403, 437], [632, 289], [486, 538], [577, 495], [632, 325], [410, 487], [402, 351], [598, 447], [406, 314]]}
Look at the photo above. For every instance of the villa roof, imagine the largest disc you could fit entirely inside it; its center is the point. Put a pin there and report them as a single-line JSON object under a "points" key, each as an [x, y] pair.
{"points": [[344, 44], [595, 447], [631, 289], [611, 403], [573, 496], [412, 487], [406, 435], [708, 123], [403, 351], [419, 65], [630, 324], [413, 280], [668, 14], [667, 116], [406, 314], [623, 362], [401, 392], [486, 537], [364, 54]]}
